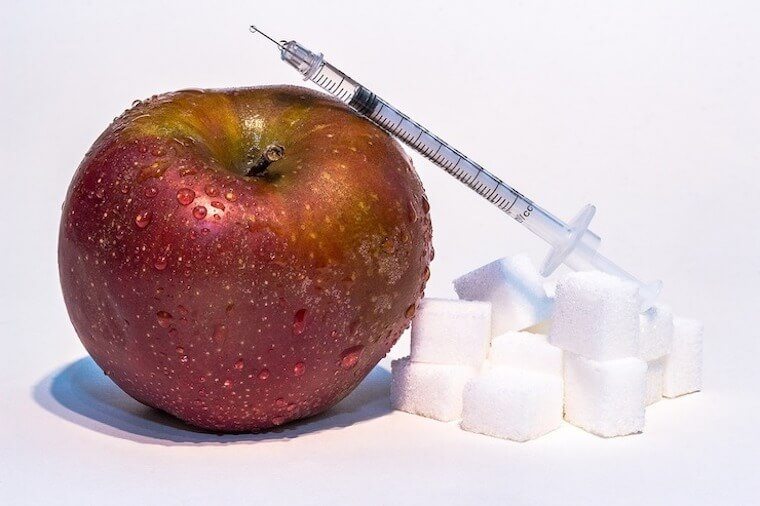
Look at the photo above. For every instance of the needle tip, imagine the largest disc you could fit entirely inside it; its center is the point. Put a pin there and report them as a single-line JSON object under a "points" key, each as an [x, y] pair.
{"points": [[253, 29]]}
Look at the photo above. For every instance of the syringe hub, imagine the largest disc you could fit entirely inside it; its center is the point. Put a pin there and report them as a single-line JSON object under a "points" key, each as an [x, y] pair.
{"points": [[301, 59], [304, 61]]}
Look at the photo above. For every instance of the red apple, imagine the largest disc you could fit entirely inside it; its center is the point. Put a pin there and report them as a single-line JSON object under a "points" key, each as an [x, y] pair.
{"points": [[242, 258]]}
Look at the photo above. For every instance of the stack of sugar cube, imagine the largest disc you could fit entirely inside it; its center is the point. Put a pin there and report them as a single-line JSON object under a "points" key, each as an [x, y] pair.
{"points": [[485, 359], [618, 360], [507, 386]]}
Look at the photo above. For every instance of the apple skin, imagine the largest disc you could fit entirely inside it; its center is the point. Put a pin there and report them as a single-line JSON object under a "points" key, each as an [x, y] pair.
{"points": [[232, 302]]}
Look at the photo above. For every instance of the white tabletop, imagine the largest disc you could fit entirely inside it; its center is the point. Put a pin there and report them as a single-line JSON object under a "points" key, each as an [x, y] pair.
{"points": [[648, 110]]}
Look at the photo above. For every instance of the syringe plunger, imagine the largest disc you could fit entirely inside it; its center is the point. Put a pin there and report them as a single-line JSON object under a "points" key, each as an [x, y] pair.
{"points": [[578, 247]]}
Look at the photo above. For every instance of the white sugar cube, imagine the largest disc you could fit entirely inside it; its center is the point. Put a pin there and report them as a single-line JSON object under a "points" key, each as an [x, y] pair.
{"points": [[605, 398], [526, 351], [656, 333], [514, 288], [430, 390], [683, 365], [512, 404], [451, 332], [655, 377], [596, 316]]}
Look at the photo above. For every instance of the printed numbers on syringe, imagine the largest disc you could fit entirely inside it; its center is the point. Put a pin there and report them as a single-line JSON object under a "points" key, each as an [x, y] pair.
{"points": [[420, 139], [453, 162]]}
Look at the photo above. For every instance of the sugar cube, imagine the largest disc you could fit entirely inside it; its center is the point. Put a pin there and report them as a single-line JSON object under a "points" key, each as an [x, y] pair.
{"points": [[683, 365], [451, 332], [656, 333], [655, 377], [523, 350], [430, 390], [605, 398], [514, 288], [512, 404], [596, 316]]}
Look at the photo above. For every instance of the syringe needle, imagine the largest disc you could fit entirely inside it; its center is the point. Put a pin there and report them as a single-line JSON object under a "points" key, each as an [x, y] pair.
{"points": [[253, 29]]}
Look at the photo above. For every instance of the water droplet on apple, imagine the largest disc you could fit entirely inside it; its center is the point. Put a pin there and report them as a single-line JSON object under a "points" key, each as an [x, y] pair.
{"points": [[124, 189], [410, 310], [227, 383], [230, 196], [152, 170], [211, 190], [160, 263], [239, 364], [389, 245], [150, 192], [185, 196], [280, 403], [263, 374], [299, 322], [350, 356], [164, 318], [199, 212], [143, 218], [411, 212], [180, 350], [299, 368], [425, 205], [220, 333], [426, 273], [278, 420], [218, 205], [157, 151]]}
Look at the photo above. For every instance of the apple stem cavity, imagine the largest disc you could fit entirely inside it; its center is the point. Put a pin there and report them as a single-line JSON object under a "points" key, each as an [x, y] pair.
{"points": [[271, 153]]}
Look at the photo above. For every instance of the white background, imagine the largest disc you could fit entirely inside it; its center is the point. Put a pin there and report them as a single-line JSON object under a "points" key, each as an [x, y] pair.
{"points": [[650, 110]]}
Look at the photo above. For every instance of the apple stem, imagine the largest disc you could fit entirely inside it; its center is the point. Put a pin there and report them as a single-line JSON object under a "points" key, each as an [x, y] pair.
{"points": [[271, 153]]}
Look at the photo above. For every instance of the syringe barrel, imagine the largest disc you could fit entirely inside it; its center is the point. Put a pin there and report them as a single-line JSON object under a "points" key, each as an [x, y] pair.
{"points": [[313, 67], [414, 135]]}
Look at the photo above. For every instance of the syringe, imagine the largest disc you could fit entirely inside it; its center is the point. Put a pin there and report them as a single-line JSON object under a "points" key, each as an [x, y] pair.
{"points": [[572, 244]]}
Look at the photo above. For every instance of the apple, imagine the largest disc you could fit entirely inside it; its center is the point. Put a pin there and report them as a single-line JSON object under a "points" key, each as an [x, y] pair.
{"points": [[242, 258]]}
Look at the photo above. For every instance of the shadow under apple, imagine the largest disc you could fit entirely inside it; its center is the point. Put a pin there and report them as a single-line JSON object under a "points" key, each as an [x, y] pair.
{"points": [[80, 393]]}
